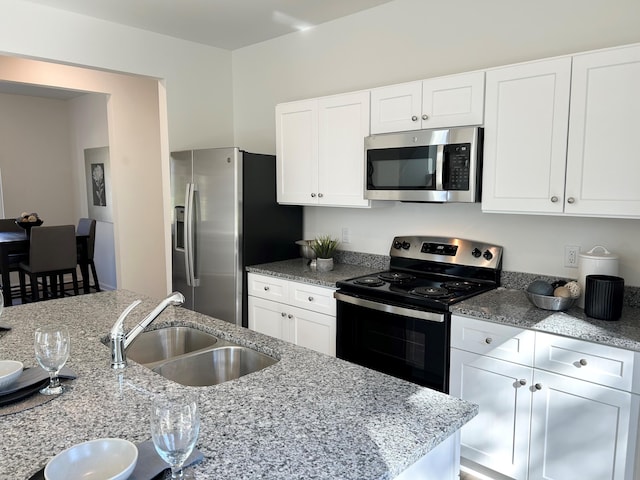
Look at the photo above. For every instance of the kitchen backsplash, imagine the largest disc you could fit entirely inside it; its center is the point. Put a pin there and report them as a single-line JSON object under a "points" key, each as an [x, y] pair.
{"points": [[514, 280]]}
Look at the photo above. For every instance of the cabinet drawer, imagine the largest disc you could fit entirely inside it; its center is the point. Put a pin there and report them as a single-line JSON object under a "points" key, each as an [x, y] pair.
{"points": [[312, 297], [494, 340], [609, 366], [264, 286]]}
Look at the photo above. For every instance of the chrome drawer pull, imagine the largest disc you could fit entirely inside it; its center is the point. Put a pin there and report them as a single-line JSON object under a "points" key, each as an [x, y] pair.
{"points": [[311, 299], [583, 362], [488, 340]]}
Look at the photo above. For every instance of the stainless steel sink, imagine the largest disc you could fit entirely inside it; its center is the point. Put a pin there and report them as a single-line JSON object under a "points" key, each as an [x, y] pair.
{"points": [[158, 345], [192, 357], [214, 366]]}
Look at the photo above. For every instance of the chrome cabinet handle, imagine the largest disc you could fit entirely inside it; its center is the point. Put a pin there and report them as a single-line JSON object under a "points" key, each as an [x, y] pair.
{"points": [[311, 299], [266, 288], [522, 382], [320, 195], [583, 362], [488, 340], [283, 314], [289, 316], [414, 118], [425, 117], [313, 195], [538, 386], [554, 199], [571, 200]]}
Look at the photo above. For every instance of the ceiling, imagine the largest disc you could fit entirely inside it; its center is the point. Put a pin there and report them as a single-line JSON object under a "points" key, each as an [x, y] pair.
{"points": [[227, 24]]}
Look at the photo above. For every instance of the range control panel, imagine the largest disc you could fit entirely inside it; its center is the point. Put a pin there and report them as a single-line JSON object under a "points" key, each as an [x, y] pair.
{"points": [[447, 250]]}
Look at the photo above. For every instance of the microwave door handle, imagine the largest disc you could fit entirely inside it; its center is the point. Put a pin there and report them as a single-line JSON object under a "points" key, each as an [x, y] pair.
{"points": [[439, 167]]}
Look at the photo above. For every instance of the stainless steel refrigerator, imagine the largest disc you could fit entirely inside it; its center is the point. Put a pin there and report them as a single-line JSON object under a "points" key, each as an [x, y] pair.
{"points": [[225, 217]]}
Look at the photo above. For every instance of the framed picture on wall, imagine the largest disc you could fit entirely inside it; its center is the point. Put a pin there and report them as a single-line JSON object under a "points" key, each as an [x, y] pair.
{"points": [[98, 175]]}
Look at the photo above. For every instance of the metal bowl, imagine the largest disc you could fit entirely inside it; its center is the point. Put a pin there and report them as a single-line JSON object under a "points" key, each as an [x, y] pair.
{"points": [[305, 249], [549, 302]]}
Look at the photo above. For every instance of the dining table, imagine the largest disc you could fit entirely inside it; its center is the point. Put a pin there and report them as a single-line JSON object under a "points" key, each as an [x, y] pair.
{"points": [[13, 242]]}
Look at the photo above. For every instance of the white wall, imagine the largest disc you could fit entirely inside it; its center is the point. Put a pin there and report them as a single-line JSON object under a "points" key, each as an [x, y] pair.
{"points": [[90, 129], [35, 158], [412, 39], [197, 77]]}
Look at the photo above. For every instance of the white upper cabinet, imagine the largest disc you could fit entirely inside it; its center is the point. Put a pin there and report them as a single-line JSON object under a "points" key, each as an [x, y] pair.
{"points": [[451, 101], [320, 150], [525, 137], [603, 165], [559, 136]]}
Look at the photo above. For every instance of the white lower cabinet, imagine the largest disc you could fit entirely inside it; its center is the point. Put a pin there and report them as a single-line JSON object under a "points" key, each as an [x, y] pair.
{"points": [[300, 313], [535, 423]]}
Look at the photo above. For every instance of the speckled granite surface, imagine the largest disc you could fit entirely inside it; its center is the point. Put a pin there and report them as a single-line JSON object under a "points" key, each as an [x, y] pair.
{"points": [[299, 270], [512, 307], [308, 416]]}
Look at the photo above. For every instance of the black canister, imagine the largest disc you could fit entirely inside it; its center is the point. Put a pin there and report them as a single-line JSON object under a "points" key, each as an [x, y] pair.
{"points": [[603, 297]]}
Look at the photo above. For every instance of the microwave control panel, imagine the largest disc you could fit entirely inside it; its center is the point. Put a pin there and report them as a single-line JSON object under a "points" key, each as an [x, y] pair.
{"points": [[457, 166]]}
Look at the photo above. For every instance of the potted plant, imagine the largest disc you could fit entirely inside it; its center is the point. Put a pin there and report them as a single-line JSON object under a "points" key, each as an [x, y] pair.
{"points": [[324, 246]]}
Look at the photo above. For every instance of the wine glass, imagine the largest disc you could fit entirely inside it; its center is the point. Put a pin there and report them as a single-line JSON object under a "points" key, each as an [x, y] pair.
{"points": [[52, 352], [175, 424]]}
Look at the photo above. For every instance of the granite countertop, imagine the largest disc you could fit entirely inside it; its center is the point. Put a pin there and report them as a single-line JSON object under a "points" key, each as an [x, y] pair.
{"points": [[512, 307], [298, 270], [308, 416]]}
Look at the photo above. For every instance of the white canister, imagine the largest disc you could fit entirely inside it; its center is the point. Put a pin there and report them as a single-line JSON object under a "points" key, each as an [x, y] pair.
{"points": [[597, 261]]}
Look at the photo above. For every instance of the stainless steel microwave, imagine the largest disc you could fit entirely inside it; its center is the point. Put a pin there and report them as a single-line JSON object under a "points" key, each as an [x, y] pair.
{"points": [[425, 165]]}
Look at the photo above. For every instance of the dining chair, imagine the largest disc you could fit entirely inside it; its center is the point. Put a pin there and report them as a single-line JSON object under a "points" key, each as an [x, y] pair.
{"points": [[52, 253], [87, 226], [10, 225]]}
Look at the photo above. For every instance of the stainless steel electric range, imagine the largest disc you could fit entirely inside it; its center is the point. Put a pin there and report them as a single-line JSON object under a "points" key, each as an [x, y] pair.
{"points": [[398, 321]]}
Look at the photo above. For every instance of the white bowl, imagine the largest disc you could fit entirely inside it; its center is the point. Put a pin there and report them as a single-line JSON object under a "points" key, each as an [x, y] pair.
{"points": [[102, 459], [10, 371]]}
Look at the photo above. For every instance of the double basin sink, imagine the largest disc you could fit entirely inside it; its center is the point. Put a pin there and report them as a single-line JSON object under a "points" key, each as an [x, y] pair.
{"points": [[192, 357]]}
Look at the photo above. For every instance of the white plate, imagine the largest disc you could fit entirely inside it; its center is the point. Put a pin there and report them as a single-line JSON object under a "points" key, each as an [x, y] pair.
{"points": [[10, 370], [102, 459]]}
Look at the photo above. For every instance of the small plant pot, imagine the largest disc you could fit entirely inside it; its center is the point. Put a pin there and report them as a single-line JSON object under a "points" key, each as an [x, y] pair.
{"points": [[324, 264]]}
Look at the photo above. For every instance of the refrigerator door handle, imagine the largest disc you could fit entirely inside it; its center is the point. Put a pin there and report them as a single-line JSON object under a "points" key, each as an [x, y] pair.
{"points": [[193, 247], [188, 235]]}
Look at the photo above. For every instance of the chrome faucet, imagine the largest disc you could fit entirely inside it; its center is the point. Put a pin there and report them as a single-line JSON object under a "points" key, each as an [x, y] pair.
{"points": [[120, 341]]}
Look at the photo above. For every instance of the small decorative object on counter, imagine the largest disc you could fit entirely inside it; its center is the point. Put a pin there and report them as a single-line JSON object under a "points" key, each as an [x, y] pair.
{"points": [[556, 296], [324, 246], [604, 295]]}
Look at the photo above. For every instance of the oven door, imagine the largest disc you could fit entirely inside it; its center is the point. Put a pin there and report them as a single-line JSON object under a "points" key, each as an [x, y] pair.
{"points": [[402, 342]]}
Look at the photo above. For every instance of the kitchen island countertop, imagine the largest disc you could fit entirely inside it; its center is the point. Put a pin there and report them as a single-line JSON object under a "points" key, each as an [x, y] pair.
{"points": [[512, 307], [308, 416]]}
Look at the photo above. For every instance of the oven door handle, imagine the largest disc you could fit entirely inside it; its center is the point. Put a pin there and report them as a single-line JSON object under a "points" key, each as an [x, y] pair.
{"points": [[393, 309]]}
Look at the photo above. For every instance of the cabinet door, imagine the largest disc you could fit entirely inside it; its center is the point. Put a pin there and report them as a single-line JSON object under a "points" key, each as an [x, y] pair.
{"points": [[396, 108], [343, 122], [297, 152], [525, 137], [315, 331], [453, 101], [581, 430], [498, 437], [602, 167], [270, 318]]}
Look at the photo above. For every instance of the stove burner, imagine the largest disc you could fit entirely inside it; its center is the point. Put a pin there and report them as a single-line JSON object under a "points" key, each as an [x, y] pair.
{"points": [[431, 292], [369, 281], [395, 277], [459, 286]]}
